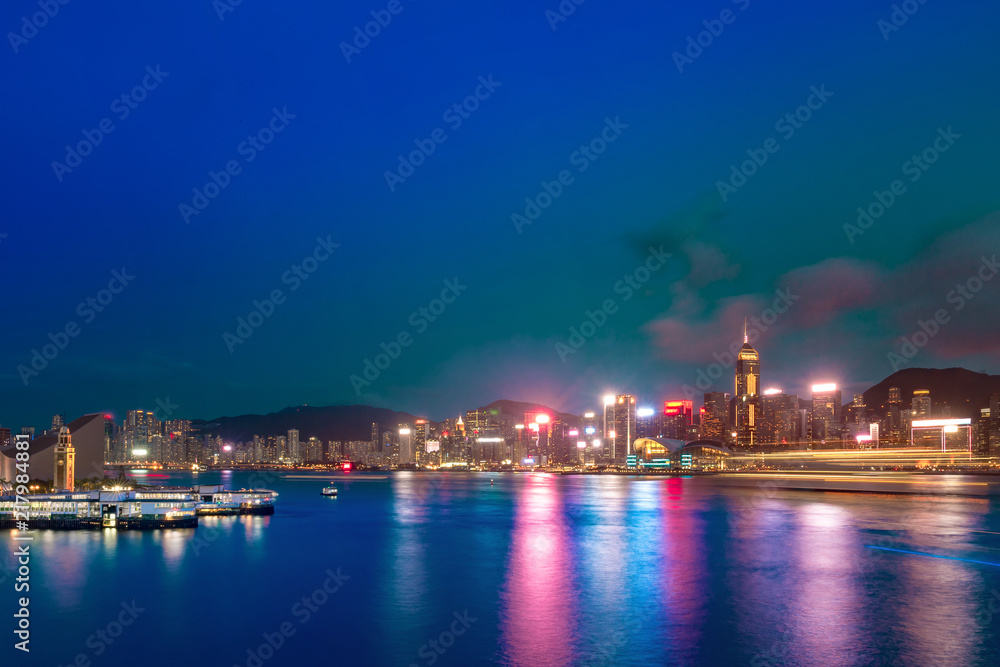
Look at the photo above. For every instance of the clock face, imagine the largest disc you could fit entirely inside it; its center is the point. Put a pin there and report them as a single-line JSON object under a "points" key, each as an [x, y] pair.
{"points": [[60, 463]]}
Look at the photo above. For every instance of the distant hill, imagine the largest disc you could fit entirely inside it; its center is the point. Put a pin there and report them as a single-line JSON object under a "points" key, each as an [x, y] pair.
{"points": [[964, 390], [334, 422]]}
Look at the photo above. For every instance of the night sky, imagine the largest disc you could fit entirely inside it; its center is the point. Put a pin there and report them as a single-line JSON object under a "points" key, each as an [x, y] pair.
{"points": [[215, 75]]}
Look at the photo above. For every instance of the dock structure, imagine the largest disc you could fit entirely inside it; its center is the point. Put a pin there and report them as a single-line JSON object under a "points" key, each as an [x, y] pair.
{"points": [[164, 507]]}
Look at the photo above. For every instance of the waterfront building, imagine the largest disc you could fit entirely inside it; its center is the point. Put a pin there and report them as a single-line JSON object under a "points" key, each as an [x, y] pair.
{"points": [[313, 450], [624, 427], [648, 423], [63, 473], [163, 507], [826, 408], [488, 447], [982, 446], [779, 418], [294, 454], [747, 389], [677, 417], [406, 453], [715, 421]]}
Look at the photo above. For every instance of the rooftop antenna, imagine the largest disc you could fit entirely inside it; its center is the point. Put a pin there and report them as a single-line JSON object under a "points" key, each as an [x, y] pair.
{"points": [[745, 337]]}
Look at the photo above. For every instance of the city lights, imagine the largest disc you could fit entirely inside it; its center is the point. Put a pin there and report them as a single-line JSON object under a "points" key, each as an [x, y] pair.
{"points": [[609, 400], [774, 390], [823, 388], [644, 412], [542, 419]]}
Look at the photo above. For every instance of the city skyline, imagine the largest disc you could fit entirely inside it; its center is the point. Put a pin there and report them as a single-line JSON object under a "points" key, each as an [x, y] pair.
{"points": [[716, 376]]}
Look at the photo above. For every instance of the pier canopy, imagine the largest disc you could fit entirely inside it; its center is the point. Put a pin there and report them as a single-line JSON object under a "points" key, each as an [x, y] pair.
{"points": [[656, 448]]}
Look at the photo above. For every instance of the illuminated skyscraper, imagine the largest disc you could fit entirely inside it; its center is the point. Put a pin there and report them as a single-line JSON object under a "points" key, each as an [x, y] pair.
{"points": [[715, 422], [111, 440], [779, 418], [747, 389], [677, 417], [406, 452], [921, 404], [624, 427], [138, 435], [63, 477], [293, 446], [825, 412], [649, 423], [607, 453]]}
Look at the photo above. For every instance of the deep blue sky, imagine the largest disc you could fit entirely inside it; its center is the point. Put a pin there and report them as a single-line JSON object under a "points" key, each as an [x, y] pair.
{"points": [[324, 176]]}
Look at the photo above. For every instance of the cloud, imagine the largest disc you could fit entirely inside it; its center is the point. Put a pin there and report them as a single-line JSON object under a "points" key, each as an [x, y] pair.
{"points": [[831, 288], [846, 311], [708, 264]]}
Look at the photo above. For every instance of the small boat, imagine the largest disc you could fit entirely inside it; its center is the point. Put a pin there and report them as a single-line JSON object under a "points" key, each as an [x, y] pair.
{"points": [[330, 491]]}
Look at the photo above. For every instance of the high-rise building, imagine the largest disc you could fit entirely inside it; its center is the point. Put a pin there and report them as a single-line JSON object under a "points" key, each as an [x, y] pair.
{"points": [[293, 446], [747, 389], [779, 418], [624, 427], [826, 404], [607, 454], [376, 444], [406, 453], [677, 417], [111, 440], [715, 421], [648, 423], [138, 434], [893, 423], [64, 473], [983, 445], [314, 450], [920, 405], [856, 412]]}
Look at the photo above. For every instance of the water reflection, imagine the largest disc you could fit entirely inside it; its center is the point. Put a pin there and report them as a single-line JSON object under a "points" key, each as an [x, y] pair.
{"points": [[68, 559], [682, 574], [538, 615], [824, 593], [408, 559]]}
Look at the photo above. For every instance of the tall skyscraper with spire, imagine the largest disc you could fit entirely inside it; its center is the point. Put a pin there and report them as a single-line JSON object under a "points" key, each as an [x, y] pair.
{"points": [[747, 390]]}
